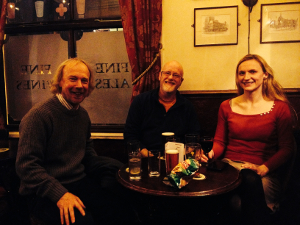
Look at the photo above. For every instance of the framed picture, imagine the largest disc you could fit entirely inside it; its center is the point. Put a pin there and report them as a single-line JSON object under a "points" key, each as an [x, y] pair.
{"points": [[216, 26], [280, 23]]}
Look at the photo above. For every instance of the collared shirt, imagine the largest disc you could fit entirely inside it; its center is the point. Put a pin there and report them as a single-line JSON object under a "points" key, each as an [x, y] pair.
{"points": [[65, 103]]}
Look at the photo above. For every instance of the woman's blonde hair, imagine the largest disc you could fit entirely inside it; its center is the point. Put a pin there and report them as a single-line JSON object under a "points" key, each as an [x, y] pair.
{"points": [[55, 88], [271, 89]]}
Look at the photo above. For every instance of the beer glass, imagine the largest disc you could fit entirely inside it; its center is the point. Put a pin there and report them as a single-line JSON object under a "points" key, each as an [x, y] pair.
{"points": [[134, 160], [206, 145], [172, 158], [192, 147], [154, 163], [164, 137]]}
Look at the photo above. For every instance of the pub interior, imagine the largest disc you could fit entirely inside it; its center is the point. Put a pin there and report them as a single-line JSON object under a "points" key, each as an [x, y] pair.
{"points": [[103, 33]]}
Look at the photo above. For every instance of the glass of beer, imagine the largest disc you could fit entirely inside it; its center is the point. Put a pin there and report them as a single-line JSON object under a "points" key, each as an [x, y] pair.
{"points": [[207, 144], [164, 137], [154, 163], [172, 158], [134, 161]]}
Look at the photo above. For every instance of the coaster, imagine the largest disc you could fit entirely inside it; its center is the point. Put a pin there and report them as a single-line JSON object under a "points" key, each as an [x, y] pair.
{"points": [[199, 176]]}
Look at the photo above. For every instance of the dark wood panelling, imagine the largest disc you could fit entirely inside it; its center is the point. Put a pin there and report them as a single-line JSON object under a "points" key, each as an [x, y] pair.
{"points": [[112, 148], [207, 107]]}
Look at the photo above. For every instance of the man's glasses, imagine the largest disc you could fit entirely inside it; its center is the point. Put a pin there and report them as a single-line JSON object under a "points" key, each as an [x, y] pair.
{"points": [[168, 73]]}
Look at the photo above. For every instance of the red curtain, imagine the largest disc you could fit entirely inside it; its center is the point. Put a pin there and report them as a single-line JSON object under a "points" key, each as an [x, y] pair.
{"points": [[141, 20], [3, 4]]}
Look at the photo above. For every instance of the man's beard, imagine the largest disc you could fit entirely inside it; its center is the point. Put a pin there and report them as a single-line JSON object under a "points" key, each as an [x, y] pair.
{"points": [[168, 88]]}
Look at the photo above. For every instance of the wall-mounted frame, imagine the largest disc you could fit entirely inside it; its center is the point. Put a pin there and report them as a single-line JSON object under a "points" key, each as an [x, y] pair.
{"points": [[216, 26], [280, 23]]}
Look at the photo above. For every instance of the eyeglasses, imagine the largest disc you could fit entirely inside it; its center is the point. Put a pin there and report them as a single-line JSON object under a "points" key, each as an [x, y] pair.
{"points": [[169, 73]]}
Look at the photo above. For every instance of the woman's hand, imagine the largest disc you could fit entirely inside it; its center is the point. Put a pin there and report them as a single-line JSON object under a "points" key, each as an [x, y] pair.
{"points": [[261, 170], [210, 155]]}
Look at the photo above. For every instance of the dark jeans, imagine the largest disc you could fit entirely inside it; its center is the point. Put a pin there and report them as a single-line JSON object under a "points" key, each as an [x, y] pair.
{"points": [[106, 201], [247, 204]]}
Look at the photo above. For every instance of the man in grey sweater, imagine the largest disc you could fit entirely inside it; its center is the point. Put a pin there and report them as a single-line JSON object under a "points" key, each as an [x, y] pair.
{"points": [[61, 174]]}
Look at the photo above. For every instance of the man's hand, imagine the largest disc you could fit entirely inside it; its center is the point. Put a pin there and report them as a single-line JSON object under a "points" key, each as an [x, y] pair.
{"points": [[144, 152], [261, 170], [66, 206]]}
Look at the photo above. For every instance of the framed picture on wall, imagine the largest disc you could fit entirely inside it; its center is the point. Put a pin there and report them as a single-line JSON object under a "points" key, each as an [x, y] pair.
{"points": [[280, 23], [216, 26]]}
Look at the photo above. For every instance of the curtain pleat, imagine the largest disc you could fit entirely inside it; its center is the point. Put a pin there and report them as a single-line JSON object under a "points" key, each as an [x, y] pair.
{"points": [[3, 4], [142, 21]]}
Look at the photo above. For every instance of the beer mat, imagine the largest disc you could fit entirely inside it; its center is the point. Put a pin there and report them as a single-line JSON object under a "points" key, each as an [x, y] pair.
{"points": [[199, 176], [167, 182]]}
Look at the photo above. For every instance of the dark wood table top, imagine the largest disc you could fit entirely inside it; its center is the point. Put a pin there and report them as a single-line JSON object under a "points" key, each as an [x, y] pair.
{"points": [[215, 183]]}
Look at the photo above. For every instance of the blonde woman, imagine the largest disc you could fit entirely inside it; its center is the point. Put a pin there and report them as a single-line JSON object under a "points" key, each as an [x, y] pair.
{"points": [[254, 134]]}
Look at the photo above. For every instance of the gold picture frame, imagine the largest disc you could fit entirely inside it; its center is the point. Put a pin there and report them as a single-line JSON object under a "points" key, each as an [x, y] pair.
{"points": [[280, 23]]}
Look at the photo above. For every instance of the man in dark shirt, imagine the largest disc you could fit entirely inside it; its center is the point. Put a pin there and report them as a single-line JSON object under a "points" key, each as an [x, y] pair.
{"points": [[161, 110]]}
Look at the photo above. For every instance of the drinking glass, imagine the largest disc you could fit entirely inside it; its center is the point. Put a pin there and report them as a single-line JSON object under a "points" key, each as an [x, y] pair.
{"points": [[134, 161], [154, 163], [192, 138], [172, 159], [191, 146], [206, 145], [133, 146], [174, 143], [164, 137], [193, 151]]}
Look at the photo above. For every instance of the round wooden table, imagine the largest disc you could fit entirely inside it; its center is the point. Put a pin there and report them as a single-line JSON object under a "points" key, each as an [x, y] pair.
{"points": [[215, 183]]}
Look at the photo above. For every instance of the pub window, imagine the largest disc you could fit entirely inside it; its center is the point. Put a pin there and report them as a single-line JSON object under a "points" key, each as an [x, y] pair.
{"points": [[42, 34]]}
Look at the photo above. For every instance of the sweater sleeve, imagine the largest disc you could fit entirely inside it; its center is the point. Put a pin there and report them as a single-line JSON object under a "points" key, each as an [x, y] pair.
{"points": [[30, 159], [220, 139], [285, 138]]}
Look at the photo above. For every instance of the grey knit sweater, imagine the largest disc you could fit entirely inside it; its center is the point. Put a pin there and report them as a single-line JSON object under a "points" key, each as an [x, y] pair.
{"points": [[53, 142]]}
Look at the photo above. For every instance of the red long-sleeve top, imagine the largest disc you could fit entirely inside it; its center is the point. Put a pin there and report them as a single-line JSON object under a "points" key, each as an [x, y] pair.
{"points": [[265, 138]]}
